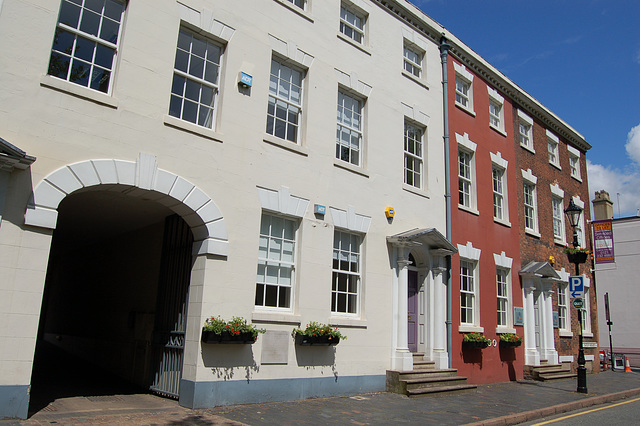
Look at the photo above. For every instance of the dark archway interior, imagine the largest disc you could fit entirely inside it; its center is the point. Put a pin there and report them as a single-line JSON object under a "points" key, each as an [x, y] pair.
{"points": [[98, 312]]}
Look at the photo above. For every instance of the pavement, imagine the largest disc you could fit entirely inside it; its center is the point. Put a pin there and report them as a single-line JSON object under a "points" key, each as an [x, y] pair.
{"points": [[491, 404]]}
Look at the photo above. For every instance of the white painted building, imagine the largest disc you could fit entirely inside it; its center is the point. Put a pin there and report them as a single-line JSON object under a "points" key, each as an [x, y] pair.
{"points": [[617, 275], [224, 114]]}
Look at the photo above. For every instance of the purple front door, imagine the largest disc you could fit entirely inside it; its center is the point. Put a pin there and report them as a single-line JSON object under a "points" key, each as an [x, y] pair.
{"points": [[413, 311]]}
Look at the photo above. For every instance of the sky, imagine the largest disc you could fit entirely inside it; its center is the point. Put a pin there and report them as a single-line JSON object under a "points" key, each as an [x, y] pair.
{"points": [[580, 59]]}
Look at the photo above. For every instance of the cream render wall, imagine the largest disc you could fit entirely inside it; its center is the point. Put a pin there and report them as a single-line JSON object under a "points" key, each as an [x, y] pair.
{"points": [[62, 124]]}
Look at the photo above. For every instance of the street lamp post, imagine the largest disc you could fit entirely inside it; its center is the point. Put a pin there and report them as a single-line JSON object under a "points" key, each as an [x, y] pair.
{"points": [[573, 213]]}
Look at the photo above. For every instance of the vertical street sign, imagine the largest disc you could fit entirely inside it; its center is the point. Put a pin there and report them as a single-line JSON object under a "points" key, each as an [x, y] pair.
{"points": [[603, 241], [576, 287]]}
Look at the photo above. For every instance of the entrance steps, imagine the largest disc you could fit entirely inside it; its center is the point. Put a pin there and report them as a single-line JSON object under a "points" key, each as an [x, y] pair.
{"points": [[546, 371], [425, 379]]}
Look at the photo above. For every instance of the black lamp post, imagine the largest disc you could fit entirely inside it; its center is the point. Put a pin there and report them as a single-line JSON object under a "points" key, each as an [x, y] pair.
{"points": [[573, 213]]}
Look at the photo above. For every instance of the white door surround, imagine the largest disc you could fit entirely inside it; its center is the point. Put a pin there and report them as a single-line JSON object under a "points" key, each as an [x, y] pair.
{"points": [[429, 249], [537, 292]]}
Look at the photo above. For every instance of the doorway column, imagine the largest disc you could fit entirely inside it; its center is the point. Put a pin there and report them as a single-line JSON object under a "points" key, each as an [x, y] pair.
{"points": [[438, 327], [531, 355], [550, 353], [402, 358]]}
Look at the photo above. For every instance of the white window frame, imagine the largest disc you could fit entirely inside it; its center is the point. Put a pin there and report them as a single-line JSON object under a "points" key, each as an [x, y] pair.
{"points": [[284, 75], [186, 80], [553, 147], [525, 131], [353, 23], [500, 164], [349, 126], [467, 176], [347, 292], [302, 4], [414, 146], [413, 59], [464, 88], [470, 258], [530, 206], [504, 265], [580, 226], [586, 309], [557, 211], [564, 321], [280, 263], [76, 60], [496, 111], [574, 163]]}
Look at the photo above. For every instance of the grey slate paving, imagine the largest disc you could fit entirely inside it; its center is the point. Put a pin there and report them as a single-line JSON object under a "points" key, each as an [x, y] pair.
{"points": [[501, 403]]}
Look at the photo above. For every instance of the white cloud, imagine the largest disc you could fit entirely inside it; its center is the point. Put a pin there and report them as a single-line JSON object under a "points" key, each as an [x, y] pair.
{"points": [[633, 144], [625, 182], [615, 182]]}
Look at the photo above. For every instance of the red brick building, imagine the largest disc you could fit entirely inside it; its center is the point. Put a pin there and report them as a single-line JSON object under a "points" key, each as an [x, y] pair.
{"points": [[514, 167], [551, 158], [484, 223]]}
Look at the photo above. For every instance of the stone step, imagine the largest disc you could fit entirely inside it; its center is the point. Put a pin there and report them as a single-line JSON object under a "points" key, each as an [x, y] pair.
{"points": [[415, 384], [424, 373], [424, 365], [439, 389], [555, 375]]}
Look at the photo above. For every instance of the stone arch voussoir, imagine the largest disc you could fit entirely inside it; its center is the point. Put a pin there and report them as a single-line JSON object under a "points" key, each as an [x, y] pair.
{"points": [[143, 178]]}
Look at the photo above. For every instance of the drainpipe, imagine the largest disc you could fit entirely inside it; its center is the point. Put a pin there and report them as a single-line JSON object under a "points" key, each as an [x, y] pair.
{"points": [[444, 51]]}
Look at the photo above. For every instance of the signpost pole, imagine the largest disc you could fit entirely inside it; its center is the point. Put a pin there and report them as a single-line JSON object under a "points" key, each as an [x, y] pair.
{"points": [[609, 323]]}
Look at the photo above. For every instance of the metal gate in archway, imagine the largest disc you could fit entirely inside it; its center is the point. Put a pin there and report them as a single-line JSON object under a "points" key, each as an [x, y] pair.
{"points": [[171, 308]]}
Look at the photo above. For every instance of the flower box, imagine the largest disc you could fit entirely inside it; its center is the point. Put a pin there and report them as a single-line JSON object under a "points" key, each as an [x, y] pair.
{"points": [[236, 331], [474, 344], [577, 256], [324, 340], [228, 338], [504, 344]]}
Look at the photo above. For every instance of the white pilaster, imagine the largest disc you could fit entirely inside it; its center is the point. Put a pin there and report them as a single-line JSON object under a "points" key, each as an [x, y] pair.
{"points": [[438, 327], [550, 353], [402, 358], [531, 355]]}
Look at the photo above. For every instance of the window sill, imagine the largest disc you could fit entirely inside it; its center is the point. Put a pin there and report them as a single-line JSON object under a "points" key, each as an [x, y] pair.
{"points": [[557, 166], [587, 335], [532, 233], [499, 130], [501, 330], [336, 321], [192, 128], [288, 145], [468, 328], [417, 191], [354, 44], [469, 209], [79, 91], [465, 109], [578, 178], [560, 242], [565, 333], [528, 148], [415, 79], [296, 9], [275, 318], [350, 167], [502, 222]]}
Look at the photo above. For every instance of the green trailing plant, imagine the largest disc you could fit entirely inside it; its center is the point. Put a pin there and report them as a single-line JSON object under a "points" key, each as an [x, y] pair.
{"points": [[510, 338], [315, 329], [476, 338], [573, 250], [237, 325]]}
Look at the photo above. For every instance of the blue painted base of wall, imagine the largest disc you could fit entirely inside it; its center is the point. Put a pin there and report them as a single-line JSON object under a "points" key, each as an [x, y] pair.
{"points": [[14, 401], [212, 394]]}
